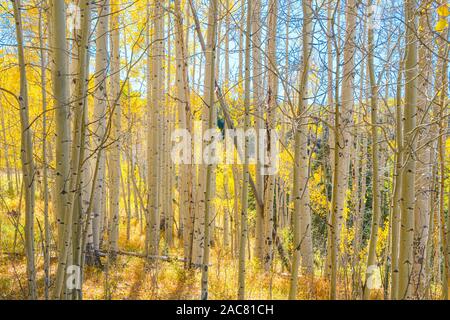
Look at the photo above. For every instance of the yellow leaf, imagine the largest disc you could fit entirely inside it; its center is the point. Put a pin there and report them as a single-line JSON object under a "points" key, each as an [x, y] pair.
{"points": [[443, 11], [441, 25]]}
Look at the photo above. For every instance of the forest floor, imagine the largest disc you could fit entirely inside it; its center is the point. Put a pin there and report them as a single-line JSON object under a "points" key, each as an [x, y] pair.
{"points": [[133, 278]]}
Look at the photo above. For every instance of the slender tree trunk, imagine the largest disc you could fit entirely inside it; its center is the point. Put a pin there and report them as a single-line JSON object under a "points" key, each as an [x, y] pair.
{"points": [[99, 131], [302, 213], [343, 120], [47, 239], [62, 120], [244, 222], [439, 108], [422, 180], [115, 114], [184, 122], [61, 105], [210, 98], [408, 175], [259, 120], [372, 266], [271, 121], [26, 155], [75, 219], [236, 207], [396, 214], [359, 186]]}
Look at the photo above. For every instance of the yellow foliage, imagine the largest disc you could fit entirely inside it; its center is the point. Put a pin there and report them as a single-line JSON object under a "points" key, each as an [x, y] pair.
{"points": [[443, 11], [441, 25], [318, 198]]}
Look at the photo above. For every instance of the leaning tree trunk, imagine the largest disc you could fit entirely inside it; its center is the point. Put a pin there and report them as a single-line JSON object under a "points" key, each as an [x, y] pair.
{"points": [[26, 155]]}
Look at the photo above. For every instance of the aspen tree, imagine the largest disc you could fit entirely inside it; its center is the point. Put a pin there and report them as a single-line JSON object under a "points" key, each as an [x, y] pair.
{"points": [[157, 73], [226, 215], [199, 182], [74, 222], [61, 95], [241, 48], [271, 120], [115, 114], [235, 170], [99, 131], [227, 229], [396, 214], [408, 174], [330, 100], [184, 122], [237, 177], [343, 119], [47, 239], [302, 215], [259, 121], [376, 210], [26, 155], [128, 151], [60, 82], [211, 48], [199, 218], [227, 45], [150, 129], [244, 203], [333, 105], [286, 53], [167, 197], [359, 187], [422, 154], [440, 103]]}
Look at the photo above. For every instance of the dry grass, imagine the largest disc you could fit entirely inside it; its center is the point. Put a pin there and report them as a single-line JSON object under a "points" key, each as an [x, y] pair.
{"points": [[134, 278]]}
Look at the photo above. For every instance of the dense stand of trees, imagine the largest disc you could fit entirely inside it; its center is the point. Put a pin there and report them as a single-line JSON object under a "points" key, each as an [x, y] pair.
{"points": [[350, 195]]}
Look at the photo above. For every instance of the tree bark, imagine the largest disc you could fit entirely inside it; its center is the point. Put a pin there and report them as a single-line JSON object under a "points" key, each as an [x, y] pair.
{"points": [[302, 213], [26, 155], [408, 174]]}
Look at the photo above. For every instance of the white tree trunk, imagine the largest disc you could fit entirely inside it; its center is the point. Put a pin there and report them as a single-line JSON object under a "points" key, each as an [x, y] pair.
{"points": [[26, 155]]}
